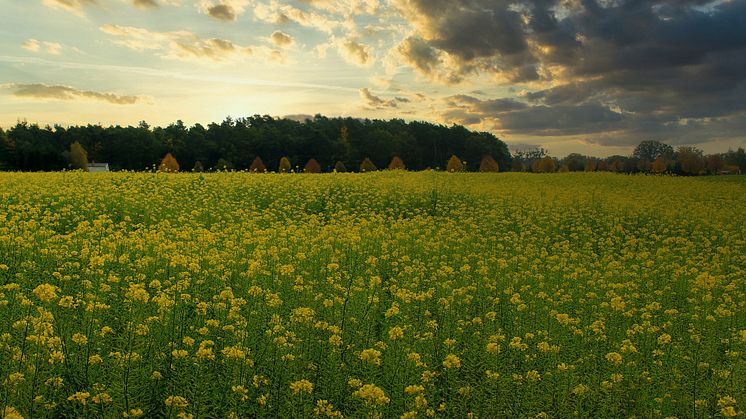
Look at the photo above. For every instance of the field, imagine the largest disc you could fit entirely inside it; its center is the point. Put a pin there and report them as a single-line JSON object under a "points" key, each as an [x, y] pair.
{"points": [[383, 294]]}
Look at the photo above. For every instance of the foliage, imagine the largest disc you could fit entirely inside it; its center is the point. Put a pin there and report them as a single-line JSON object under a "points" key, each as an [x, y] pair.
{"points": [[367, 166], [650, 150], [339, 167], [169, 164], [488, 164], [348, 140], [659, 165], [545, 165], [455, 164], [284, 166], [257, 166], [78, 157], [198, 167], [397, 164], [690, 160], [312, 166], [580, 295]]}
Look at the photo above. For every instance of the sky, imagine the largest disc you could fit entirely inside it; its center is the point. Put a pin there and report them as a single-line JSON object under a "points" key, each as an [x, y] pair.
{"points": [[589, 76]]}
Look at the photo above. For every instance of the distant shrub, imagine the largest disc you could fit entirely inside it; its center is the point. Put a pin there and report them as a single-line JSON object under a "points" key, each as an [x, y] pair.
{"points": [[312, 167], [285, 166], [518, 166], [591, 164], [169, 164], [659, 165], [397, 164], [224, 164], [545, 165], [455, 164], [340, 167], [257, 166], [488, 165], [564, 168], [367, 166], [198, 167]]}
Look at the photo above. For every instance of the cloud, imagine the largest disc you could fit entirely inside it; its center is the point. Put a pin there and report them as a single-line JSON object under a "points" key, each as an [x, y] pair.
{"points": [[376, 102], [34, 45], [278, 13], [601, 68], [74, 6], [281, 39], [181, 45], [354, 52], [46, 92], [31, 45], [145, 4], [225, 10]]}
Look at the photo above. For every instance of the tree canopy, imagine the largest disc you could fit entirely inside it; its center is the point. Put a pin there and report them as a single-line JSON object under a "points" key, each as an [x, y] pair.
{"points": [[235, 143]]}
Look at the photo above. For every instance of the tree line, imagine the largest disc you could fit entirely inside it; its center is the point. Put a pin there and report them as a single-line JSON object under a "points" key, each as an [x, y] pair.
{"points": [[321, 144], [649, 156], [333, 143]]}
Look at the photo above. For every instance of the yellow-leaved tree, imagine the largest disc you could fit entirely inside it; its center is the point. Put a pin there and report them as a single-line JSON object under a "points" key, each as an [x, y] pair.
{"points": [[489, 165], [312, 167], [257, 166], [169, 164], [397, 164], [285, 166], [367, 166], [78, 156], [659, 165], [455, 164]]}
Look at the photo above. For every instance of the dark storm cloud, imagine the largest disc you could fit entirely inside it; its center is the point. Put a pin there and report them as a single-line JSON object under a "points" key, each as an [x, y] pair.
{"points": [[634, 67], [222, 12]]}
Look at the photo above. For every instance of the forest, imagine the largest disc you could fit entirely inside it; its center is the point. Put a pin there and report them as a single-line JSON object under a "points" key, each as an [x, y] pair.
{"points": [[236, 143], [322, 144]]}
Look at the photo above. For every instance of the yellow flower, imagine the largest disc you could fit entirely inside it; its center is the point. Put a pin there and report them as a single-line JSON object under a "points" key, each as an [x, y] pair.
{"points": [[664, 339], [396, 332], [371, 356], [301, 386], [80, 339], [10, 413], [614, 358], [414, 389], [371, 395], [177, 402], [451, 361], [80, 397], [45, 292]]}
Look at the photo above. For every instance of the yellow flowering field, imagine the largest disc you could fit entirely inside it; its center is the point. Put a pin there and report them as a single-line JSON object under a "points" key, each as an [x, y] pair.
{"points": [[383, 294]]}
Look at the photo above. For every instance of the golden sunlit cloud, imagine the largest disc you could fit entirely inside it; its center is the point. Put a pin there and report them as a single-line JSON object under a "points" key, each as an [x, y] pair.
{"points": [[38, 91]]}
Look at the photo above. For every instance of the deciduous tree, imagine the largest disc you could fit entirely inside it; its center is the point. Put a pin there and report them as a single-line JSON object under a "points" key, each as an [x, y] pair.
{"points": [[455, 164], [78, 157]]}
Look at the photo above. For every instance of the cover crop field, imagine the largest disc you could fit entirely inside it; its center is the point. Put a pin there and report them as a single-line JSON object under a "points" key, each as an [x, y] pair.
{"points": [[382, 294]]}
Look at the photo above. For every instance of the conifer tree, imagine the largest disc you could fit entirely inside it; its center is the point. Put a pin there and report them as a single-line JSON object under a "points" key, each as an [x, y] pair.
{"points": [[257, 166], [397, 164], [169, 164], [367, 166], [285, 166]]}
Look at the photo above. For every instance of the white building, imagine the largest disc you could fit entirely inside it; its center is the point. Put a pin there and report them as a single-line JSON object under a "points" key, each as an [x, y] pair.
{"points": [[98, 167]]}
